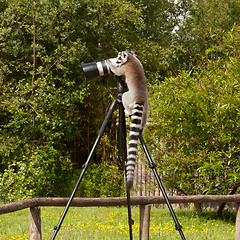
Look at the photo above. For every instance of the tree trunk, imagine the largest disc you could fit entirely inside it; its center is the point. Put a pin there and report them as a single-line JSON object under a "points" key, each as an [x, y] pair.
{"points": [[221, 207]]}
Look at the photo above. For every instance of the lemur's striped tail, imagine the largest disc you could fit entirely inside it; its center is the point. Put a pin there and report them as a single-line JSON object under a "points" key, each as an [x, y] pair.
{"points": [[135, 127]]}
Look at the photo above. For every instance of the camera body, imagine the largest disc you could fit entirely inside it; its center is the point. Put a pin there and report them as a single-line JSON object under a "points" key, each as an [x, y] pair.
{"points": [[94, 69]]}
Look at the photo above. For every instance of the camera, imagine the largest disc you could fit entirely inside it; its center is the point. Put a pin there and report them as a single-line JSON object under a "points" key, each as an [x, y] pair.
{"points": [[94, 69]]}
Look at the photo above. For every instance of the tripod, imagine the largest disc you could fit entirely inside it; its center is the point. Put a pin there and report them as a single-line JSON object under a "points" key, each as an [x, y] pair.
{"points": [[122, 147]]}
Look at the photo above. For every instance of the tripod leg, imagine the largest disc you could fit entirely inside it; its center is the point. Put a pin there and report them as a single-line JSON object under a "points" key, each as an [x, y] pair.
{"points": [[85, 166], [123, 159], [152, 165]]}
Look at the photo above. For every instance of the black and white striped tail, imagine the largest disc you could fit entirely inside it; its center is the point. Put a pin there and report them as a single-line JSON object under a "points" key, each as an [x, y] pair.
{"points": [[135, 127]]}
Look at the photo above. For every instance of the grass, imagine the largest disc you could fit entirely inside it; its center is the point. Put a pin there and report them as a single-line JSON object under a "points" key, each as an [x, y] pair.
{"points": [[105, 223]]}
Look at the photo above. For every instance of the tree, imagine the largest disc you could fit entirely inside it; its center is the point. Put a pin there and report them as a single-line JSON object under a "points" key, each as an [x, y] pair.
{"points": [[49, 114], [196, 19], [196, 118]]}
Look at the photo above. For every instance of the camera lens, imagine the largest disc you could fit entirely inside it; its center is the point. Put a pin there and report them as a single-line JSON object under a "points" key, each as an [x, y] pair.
{"points": [[103, 68], [90, 70], [93, 70]]}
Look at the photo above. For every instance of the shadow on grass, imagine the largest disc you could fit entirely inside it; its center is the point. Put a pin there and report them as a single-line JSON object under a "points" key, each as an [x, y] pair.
{"points": [[226, 216]]}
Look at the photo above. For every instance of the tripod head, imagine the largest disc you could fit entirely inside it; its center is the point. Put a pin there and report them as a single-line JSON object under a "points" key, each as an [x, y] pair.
{"points": [[121, 85]]}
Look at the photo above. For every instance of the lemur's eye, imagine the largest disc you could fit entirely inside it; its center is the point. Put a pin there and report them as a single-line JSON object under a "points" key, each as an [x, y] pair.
{"points": [[119, 60]]}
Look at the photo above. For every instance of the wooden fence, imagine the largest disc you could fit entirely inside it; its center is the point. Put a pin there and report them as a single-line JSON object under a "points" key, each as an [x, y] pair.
{"points": [[144, 181], [34, 205]]}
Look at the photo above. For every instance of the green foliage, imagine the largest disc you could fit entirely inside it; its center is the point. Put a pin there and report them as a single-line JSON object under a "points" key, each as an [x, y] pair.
{"points": [[38, 172], [104, 180], [196, 20], [196, 123], [42, 47], [46, 107]]}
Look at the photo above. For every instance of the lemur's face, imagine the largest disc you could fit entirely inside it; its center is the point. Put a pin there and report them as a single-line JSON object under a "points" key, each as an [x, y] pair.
{"points": [[116, 64]]}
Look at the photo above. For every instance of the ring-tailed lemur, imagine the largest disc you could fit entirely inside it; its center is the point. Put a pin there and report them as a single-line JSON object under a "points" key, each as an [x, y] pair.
{"points": [[135, 102]]}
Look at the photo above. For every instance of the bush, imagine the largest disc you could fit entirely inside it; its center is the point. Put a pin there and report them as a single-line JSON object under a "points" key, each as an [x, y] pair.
{"points": [[101, 180], [195, 136], [35, 173]]}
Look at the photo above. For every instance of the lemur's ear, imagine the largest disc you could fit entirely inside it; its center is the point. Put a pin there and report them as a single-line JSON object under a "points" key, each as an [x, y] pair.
{"points": [[131, 52]]}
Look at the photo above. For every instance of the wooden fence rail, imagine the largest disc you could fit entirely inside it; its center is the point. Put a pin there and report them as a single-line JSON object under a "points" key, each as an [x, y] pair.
{"points": [[34, 205]]}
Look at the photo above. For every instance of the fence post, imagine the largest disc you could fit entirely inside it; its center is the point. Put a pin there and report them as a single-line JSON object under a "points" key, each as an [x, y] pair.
{"points": [[35, 223], [237, 236], [144, 222]]}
